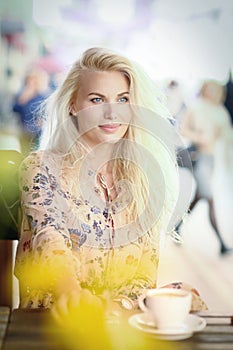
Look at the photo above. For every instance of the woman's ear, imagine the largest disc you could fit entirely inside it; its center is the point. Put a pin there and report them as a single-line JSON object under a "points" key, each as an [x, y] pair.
{"points": [[73, 109]]}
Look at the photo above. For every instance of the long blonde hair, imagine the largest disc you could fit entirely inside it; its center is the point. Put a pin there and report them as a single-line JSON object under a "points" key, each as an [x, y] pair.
{"points": [[60, 135]]}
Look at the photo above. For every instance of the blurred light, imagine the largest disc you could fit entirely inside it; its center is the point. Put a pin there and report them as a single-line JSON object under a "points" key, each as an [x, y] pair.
{"points": [[48, 13], [180, 9], [115, 12]]}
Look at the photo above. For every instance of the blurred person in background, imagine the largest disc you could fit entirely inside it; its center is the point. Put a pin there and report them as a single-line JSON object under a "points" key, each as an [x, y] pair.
{"points": [[175, 100], [228, 103], [27, 104], [223, 185], [206, 122]]}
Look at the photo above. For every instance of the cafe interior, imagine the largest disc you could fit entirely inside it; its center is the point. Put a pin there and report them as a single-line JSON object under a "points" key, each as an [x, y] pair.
{"points": [[181, 44]]}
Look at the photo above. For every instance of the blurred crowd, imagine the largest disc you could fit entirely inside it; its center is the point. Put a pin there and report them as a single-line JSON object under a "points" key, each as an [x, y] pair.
{"points": [[205, 125]]}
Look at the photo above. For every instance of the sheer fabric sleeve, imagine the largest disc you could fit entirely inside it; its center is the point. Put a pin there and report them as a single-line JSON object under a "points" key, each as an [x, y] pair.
{"points": [[44, 255], [145, 276]]}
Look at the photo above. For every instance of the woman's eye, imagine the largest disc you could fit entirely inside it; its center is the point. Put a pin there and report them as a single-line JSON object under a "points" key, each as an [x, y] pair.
{"points": [[97, 100], [123, 100]]}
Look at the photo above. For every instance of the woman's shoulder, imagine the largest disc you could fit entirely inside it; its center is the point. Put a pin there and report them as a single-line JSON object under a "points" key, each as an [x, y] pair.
{"points": [[41, 156], [42, 159]]}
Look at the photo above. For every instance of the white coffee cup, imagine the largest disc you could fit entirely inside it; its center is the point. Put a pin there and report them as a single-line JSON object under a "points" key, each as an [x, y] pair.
{"points": [[168, 307]]}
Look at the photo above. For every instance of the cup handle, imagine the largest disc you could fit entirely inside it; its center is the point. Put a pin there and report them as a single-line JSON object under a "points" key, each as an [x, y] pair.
{"points": [[141, 303]]}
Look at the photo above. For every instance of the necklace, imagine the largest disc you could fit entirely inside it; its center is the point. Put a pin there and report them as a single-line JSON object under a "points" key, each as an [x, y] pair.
{"points": [[103, 182], [107, 190]]}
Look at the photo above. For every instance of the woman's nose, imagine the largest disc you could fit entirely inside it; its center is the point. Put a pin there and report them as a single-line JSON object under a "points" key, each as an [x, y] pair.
{"points": [[110, 111]]}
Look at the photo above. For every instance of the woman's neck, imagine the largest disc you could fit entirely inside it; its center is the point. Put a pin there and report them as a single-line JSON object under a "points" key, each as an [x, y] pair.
{"points": [[99, 158]]}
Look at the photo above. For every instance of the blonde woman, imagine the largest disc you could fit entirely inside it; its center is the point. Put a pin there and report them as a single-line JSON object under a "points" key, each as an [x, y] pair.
{"points": [[205, 123], [99, 194], [222, 182]]}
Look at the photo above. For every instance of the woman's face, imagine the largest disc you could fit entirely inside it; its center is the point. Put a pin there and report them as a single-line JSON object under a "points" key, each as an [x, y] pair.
{"points": [[213, 92], [102, 104]]}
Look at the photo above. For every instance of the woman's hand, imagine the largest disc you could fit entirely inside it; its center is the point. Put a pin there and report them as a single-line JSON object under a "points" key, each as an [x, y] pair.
{"points": [[197, 302], [76, 299]]}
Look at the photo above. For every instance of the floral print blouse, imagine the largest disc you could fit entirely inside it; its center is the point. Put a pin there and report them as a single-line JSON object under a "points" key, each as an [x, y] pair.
{"points": [[64, 225]]}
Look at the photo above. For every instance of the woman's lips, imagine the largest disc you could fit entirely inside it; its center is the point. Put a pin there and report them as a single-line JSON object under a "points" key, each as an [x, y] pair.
{"points": [[110, 127]]}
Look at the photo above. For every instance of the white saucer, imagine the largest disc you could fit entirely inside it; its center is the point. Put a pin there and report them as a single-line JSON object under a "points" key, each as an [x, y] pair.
{"points": [[144, 323]]}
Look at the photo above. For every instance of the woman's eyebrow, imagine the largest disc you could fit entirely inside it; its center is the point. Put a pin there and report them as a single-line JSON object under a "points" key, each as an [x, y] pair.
{"points": [[101, 95], [96, 93], [123, 93]]}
